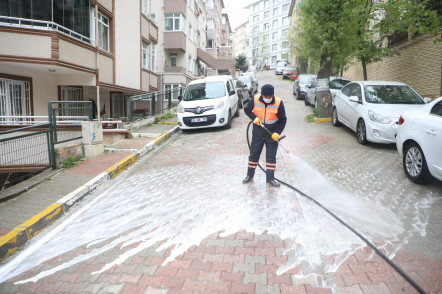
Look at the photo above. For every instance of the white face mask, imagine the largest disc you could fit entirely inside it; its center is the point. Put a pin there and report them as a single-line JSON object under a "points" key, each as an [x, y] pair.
{"points": [[267, 100]]}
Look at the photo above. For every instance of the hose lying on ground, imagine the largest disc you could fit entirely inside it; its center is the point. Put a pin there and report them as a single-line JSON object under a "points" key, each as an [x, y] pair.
{"points": [[384, 257]]}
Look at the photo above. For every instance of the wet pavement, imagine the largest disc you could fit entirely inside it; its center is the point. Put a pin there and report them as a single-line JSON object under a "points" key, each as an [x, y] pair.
{"points": [[181, 221]]}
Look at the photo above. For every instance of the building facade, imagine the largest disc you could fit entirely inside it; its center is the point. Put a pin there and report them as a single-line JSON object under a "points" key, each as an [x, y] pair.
{"points": [[267, 36], [240, 39], [94, 50], [105, 51]]}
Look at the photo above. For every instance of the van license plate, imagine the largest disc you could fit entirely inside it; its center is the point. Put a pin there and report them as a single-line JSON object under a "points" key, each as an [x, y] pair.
{"points": [[199, 119]]}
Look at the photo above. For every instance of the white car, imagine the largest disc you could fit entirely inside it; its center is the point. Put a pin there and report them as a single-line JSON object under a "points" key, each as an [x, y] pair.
{"points": [[280, 67], [372, 109], [208, 102], [419, 141]]}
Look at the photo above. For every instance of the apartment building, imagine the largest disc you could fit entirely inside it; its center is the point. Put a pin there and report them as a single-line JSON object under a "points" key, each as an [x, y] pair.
{"points": [[219, 46], [99, 50], [267, 34], [240, 39]]}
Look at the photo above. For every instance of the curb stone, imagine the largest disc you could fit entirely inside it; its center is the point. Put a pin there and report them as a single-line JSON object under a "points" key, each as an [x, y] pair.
{"points": [[21, 234]]}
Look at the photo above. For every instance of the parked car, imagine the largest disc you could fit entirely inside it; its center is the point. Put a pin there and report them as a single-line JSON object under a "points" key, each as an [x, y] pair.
{"points": [[372, 109], [419, 142], [299, 85], [208, 102], [250, 84], [252, 75], [242, 91], [289, 71], [335, 84], [280, 66]]}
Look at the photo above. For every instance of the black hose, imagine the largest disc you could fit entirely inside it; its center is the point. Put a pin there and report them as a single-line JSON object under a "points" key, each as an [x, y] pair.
{"points": [[384, 257]]}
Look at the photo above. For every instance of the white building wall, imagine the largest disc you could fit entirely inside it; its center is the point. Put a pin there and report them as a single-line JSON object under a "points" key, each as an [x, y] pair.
{"points": [[128, 44]]}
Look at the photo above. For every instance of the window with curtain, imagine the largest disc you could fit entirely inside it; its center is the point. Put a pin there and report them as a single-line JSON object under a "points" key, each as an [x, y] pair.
{"points": [[103, 32], [174, 22]]}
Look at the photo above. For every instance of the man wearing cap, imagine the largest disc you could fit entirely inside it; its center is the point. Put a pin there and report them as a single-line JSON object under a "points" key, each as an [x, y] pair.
{"points": [[266, 109]]}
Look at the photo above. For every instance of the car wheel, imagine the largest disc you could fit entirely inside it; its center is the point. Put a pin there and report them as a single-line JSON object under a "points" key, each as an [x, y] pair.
{"points": [[236, 114], [335, 120], [415, 165], [361, 132], [229, 121]]}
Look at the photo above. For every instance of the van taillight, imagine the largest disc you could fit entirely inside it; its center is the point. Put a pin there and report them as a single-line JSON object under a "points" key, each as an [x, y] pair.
{"points": [[401, 120]]}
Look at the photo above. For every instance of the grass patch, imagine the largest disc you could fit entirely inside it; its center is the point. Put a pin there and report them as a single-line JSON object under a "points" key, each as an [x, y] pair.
{"points": [[165, 116], [310, 118], [70, 162]]}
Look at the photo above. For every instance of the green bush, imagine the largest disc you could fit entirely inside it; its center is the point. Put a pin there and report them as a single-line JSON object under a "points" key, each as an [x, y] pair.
{"points": [[165, 116]]}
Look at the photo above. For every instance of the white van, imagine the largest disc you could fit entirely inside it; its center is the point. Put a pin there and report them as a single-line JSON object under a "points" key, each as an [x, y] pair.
{"points": [[208, 102]]}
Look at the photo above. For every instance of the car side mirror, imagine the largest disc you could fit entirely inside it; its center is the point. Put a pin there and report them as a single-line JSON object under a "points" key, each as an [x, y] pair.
{"points": [[427, 100], [180, 97], [353, 99], [232, 92]]}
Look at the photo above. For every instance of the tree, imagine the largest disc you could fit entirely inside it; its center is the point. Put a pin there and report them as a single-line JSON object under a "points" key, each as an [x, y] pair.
{"points": [[389, 18], [241, 63]]}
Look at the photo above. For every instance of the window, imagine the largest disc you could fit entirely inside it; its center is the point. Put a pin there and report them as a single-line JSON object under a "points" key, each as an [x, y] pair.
{"points": [[145, 7], [266, 26], [275, 23], [173, 57], [149, 57], [275, 2], [153, 64], [255, 41], [437, 109], [285, 45], [285, 32], [210, 43], [275, 47], [210, 4], [145, 56], [285, 20], [274, 35], [118, 102], [210, 24], [255, 8], [266, 3], [175, 91], [275, 11], [174, 22], [266, 14], [15, 99], [255, 31], [72, 94], [285, 7], [103, 32], [274, 58], [229, 87], [255, 18], [265, 38]]}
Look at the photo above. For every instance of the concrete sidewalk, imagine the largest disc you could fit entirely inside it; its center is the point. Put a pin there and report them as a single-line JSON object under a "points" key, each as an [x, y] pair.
{"points": [[44, 198]]}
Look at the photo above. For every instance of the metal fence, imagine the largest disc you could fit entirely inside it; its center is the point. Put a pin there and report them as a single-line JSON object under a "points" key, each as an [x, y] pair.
{"points": [[24, 152], [150, 104]]}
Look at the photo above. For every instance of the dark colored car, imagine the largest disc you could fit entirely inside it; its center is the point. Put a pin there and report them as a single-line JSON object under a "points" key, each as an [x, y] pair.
{"points": [[243, 92], [289, 71]]}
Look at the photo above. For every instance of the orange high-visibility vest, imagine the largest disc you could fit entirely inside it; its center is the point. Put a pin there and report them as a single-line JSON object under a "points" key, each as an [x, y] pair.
{"points": [[268, 115]]}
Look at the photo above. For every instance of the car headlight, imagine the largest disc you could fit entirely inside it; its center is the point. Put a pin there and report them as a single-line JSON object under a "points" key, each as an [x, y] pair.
{"points": [[220, 106], [180, 108], [378, 118]]}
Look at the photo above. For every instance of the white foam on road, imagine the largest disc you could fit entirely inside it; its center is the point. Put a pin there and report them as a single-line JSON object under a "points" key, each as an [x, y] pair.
{"points": [[152, 206]]}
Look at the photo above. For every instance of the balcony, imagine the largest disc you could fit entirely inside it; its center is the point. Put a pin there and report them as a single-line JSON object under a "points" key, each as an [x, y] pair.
{"points": [[179, 69], [225, 51], [175, 6], [175, 40]]}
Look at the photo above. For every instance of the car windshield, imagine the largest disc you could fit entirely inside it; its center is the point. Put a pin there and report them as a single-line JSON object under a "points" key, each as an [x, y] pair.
{"points": [[338, 84], [386, 94], [281, 64], [306, 79], [202, 91], [290, 69], [244, 79]]}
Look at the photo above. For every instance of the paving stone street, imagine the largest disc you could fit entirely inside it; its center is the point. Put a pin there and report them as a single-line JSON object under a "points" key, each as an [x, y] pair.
{"points": [[182, 221]]}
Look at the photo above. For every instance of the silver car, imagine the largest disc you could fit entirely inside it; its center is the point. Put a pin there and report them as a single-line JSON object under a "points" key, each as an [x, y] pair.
{"points": [[280, 66], [299, 86]]}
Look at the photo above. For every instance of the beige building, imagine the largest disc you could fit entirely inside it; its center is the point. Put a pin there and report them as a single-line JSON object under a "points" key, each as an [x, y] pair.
{"points": [[240, 40], [50, 55]]}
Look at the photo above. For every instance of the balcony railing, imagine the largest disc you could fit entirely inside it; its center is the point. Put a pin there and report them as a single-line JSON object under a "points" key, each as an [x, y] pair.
{"points": [[43, 25]]}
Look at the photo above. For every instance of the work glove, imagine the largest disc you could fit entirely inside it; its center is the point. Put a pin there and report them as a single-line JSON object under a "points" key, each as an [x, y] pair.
{"points": [[257, 121], [275, 136]]}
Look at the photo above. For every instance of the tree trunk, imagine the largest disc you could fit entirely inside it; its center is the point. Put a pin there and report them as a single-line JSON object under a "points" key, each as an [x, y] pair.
{"points": [[323, 95], [364, 68]]}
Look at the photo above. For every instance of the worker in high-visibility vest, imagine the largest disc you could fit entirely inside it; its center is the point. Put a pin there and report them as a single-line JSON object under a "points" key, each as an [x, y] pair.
{"points": [[267, 109]]}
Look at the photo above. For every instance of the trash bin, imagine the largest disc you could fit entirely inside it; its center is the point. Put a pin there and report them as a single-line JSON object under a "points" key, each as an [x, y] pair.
{"points": [[268, 67]]}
